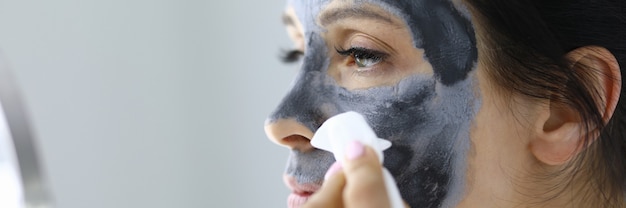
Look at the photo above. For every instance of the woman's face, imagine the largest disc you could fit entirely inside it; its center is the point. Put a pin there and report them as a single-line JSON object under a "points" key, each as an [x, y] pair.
{"points": [[409, 66]]}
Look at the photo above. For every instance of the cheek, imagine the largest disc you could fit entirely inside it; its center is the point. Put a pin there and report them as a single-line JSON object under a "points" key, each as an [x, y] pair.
{"points": [[501, 122], [392, 109], [499, 139], [429, 125]]}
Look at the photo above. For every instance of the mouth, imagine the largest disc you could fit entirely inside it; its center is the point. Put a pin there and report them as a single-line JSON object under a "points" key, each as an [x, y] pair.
{"points": [[300, 192]]}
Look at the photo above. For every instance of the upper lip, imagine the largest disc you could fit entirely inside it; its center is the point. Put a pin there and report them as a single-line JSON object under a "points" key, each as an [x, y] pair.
{"points": [[301, 189]]}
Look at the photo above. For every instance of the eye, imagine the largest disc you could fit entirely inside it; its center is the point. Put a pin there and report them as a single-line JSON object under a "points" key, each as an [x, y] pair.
{"points": [[363, 57]]}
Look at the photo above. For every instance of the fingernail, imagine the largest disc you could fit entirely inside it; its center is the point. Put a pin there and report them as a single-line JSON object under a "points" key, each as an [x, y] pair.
{"points": [[355, 150], [332, 170]]}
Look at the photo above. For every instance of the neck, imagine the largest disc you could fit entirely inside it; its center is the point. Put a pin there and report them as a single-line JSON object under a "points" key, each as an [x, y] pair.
{"points": [[532, 184]]}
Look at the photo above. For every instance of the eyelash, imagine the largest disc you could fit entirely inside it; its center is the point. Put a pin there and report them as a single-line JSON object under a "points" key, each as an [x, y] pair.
{"points": [[291, 56], [362, 53]]}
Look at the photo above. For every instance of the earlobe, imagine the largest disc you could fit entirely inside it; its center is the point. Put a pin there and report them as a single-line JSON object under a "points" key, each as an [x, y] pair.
{"points": [[559, 131]]}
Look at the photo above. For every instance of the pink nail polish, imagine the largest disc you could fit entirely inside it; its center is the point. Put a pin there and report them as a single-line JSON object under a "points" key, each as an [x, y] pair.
{"points": [[332, 170], [355, 150]]}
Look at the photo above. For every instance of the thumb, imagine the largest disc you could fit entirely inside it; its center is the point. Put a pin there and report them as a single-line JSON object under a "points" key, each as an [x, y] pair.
{"points": [[365, 186]]}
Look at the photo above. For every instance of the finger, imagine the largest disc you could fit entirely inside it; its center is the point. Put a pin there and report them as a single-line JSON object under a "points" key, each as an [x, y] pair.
{"points": [[330, 193], [365, 186]]}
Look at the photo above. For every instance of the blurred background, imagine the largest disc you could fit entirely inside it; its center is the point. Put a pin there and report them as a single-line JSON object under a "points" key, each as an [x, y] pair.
{"points": [[152, 103]]}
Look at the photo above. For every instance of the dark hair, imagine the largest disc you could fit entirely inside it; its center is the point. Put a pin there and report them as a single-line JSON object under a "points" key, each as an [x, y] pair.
{"points": [[525, 42]]}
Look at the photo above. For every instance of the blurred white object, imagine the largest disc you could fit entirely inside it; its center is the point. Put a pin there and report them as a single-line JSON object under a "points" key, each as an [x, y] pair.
{"points": [[10, 182], [22, 184], [339, 131]]}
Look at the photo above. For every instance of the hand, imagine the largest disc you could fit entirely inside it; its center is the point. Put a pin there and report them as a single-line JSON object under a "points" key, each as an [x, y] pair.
{"points": [[356, 183]]}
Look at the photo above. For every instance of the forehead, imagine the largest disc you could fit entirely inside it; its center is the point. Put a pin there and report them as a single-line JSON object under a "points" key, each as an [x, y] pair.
{"points": [[308, 10]]}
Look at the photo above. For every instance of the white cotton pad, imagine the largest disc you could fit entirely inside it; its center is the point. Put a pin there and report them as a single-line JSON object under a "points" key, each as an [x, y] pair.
{"points": [[339, 131]]}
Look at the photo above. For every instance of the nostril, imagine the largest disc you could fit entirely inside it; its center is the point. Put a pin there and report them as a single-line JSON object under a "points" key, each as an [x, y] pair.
{"points": [[289, 132], [297, 142]]}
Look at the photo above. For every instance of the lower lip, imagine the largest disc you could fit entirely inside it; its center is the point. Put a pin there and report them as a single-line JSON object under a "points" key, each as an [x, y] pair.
{"points": [[296, 200]]}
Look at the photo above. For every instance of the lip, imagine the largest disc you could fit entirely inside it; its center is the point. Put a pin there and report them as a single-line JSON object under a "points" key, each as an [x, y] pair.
{"points": [[300, 192], [296, 200]]}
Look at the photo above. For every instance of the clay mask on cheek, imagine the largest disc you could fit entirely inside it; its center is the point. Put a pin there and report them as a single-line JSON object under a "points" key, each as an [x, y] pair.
{"points": [[427, 117]]}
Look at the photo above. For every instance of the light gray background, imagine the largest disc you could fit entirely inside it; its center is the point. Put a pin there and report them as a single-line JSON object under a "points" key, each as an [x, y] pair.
{"points": [[152, 103]]}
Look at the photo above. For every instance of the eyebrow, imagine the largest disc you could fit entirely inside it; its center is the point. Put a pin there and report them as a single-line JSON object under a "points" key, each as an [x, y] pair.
{"points": [[334, 15]]}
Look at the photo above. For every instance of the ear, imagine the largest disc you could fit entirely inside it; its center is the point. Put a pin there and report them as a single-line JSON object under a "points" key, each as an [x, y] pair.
{"points": [[560, 130]]}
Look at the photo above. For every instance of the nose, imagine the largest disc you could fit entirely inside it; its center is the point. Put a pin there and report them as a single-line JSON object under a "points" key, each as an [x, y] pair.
{"points": [[290, 133]]}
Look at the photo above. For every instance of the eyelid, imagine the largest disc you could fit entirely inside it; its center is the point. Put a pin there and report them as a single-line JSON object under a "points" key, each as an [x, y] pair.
{"points": [[353, 50], [364, 53]]}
